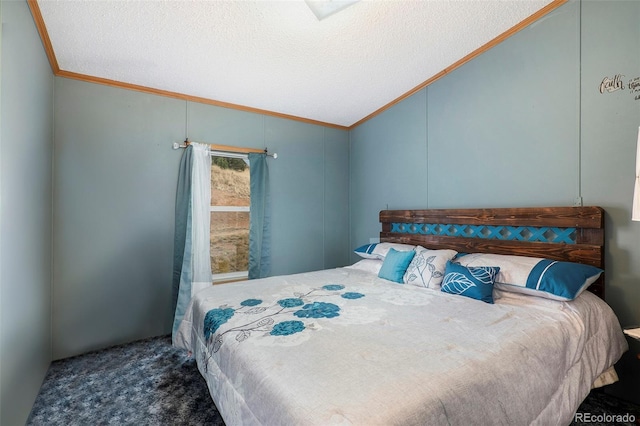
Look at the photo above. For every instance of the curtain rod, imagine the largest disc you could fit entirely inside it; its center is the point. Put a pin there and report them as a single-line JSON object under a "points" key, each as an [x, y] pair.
{"points": [[227, 148]]}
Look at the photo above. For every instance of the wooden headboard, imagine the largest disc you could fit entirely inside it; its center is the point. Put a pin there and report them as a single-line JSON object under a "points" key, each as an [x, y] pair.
{"points": [[573, 234]]}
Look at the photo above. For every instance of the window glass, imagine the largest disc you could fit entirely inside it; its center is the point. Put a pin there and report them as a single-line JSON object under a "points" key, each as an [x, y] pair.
{"points": [[230, 191]]}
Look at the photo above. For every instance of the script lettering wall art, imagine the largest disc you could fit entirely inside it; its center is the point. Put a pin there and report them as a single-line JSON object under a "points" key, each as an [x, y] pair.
{"points": [[617, 82], [634, 87]]}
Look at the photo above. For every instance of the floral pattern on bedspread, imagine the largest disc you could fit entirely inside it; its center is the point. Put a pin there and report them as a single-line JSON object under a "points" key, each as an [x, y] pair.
{"points": [[262, 319]]}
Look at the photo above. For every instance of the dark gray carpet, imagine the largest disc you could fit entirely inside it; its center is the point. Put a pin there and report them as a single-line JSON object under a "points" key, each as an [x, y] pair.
{"points": [[149, 382]]}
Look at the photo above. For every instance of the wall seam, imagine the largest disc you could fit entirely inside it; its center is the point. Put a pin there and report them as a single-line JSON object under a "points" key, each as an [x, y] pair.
{"points": [[579, 197], [324, 198], [264, 132], [186, 120], [52, 221], [349, 201], [1, 328], [426, 135], [348, 247]]}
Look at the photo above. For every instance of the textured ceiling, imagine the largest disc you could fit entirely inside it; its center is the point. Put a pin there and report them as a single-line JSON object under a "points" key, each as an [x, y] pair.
{"points": [[276, 55]]}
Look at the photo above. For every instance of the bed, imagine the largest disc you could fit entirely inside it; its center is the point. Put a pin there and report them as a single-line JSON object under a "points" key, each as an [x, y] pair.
{"points": [[347, 346]]}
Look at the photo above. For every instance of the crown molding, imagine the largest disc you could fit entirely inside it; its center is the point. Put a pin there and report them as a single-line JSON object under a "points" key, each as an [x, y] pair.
{"points": [[46, 41]]}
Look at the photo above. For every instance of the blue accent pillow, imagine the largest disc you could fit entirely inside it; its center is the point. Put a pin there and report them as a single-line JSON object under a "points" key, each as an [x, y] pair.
{"points": [[395, 265], [475, 282], [561, 280]]}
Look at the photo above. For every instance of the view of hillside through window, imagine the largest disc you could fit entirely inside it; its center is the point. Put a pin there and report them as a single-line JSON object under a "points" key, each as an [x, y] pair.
{"points": [[230, 203]]}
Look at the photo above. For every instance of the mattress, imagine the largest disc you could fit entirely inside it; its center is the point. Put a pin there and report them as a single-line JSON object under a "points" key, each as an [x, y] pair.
{"points": [[342, 346]]}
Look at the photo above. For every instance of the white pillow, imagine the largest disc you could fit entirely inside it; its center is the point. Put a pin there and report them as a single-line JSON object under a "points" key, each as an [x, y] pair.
{"points": [[536, 276], [368, 265], [427, 267], [380, 250]]}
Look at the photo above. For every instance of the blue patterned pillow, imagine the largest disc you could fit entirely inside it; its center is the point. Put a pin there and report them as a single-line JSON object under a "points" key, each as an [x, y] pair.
{"points": [[395, 265], [475, 282]]}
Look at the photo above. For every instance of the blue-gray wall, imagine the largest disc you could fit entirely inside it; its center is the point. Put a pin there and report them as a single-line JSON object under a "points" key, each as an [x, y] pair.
{"points": [[523, 124], [26, 118], [114, 193]]}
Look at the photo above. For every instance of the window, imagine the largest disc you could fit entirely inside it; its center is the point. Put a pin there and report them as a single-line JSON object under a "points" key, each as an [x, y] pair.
{"points": [[230, 204]]}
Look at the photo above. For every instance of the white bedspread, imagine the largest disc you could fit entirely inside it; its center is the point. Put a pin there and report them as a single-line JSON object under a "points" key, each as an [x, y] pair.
{"points": [[366, 351]]}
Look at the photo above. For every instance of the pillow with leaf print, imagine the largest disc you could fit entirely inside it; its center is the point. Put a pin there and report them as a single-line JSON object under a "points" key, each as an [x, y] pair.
{"points": [[427, 267], [474, 282]]}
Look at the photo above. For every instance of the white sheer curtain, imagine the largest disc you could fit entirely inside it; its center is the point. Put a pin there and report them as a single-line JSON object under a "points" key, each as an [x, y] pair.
{"points": [[201, 217], [191, 259]]}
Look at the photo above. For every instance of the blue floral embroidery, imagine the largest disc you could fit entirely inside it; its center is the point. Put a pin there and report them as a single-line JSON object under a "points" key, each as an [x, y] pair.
{"points": [[251, 302], [333, 287], [215, 318], [318, 310], [291, 302], [352, 295], [286, 328]]}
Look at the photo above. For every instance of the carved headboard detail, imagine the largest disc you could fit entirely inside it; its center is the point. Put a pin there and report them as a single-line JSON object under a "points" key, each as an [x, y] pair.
{"points": [[572, 234]]}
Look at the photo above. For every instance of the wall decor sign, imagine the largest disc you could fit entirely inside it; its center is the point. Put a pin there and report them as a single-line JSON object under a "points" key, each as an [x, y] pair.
{"points": [[617, 82], [634, 87]]}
